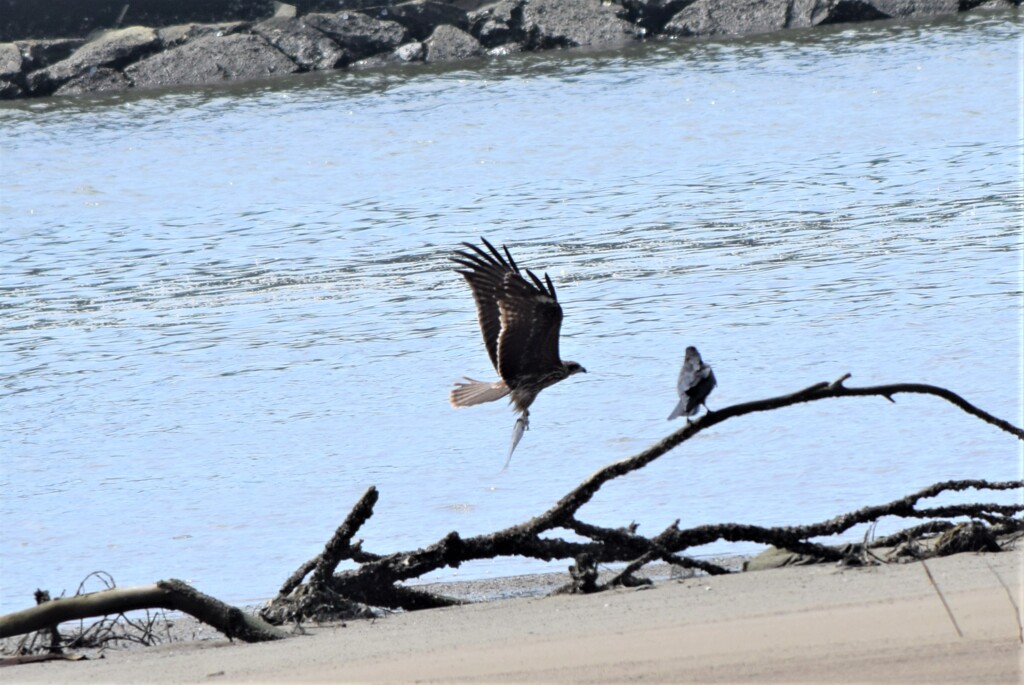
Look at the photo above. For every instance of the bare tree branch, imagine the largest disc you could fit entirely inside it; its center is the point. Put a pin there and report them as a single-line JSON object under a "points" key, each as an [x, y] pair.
{"points": [[338, 546], [165, 594], [572, 502], [374, 582]]}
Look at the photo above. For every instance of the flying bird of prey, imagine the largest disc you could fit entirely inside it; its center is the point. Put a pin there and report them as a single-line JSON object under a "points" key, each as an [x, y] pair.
{"points": [[696, 380], [520, 319]]}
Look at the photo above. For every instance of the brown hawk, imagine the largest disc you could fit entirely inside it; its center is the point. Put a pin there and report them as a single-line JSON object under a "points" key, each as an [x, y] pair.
{"points": [[520, 320]]}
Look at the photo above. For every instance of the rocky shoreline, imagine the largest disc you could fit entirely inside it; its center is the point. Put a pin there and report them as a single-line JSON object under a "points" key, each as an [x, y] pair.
{"points": [[429, 31]]}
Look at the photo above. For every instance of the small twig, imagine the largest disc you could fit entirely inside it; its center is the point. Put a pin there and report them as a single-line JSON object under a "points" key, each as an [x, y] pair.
{"points": [[625, 576], [865, 547], [104, 577], [839, 381], [943, 598]]}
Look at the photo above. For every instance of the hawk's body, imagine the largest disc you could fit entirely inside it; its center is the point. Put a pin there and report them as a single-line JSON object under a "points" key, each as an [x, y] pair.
{"points": [[520, 321], [696, 381]]}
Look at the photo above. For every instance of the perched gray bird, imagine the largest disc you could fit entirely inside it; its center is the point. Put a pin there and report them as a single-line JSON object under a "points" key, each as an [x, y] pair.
{"points": [[696, 380], [520, 320]]}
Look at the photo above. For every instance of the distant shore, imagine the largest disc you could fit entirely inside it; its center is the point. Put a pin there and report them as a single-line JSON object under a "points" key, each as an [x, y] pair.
{"points": [[819, 623], [389, 33]]}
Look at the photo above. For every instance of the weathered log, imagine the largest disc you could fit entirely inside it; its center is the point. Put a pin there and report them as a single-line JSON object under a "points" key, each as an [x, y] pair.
{"points": [[174, 595]]}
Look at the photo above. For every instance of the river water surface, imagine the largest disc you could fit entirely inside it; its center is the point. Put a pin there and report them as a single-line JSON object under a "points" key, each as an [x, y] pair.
{"points": [[227, 312]]}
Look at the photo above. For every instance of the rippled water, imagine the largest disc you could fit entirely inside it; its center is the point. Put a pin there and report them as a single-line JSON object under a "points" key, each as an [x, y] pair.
{"points": [[226, 313]]}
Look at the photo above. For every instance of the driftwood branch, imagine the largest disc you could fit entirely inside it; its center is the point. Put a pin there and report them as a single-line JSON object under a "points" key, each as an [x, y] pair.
{"points": [[377, 581], [172, 594], [572, 502], [338, 548]]}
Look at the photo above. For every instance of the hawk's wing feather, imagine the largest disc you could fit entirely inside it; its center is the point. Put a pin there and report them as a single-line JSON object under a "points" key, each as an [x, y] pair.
{"points": [[530, 322], [537, 282], [484, 273], [519, 320], [550, 345]]}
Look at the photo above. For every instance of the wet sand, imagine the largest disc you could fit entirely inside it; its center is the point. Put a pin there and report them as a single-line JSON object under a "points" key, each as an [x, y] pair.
{"points": [[799, 624]]}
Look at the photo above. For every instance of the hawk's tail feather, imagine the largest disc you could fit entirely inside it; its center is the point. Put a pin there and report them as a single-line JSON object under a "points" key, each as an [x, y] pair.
{"points": [[470, 392]]}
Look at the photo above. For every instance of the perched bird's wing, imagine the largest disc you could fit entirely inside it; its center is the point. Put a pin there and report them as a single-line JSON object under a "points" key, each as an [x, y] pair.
{"points": [[699, 392], [485, 272], [531, 319], [689, 374]]}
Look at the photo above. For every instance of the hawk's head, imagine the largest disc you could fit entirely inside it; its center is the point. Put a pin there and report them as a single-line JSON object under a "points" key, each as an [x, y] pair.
{"points": [[573, 367]]}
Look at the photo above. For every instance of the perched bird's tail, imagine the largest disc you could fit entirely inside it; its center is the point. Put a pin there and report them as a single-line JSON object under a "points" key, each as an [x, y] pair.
{"points": [[680, 409], [476, 392]]}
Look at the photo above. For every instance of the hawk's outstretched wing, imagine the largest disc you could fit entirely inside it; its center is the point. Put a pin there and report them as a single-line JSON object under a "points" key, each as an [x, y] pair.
{"points": [[519, 319]]}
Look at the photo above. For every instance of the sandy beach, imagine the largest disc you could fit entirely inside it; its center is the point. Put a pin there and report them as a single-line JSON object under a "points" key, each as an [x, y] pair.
{"points": [[806, 624]]}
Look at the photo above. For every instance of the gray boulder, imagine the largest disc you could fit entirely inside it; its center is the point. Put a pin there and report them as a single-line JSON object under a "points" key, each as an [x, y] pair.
{"points": [[421, 17], [95, 80], [745, 17], [414, 51], [111, 49], [738, 18], [40, 54], [10, 61], [497, 23], [845, 11], [652, 15], [849, 11], [506, 49], [173, 36], [447, 44], [310, 49], [916, 8], [574, 23], [805, 13], [411, 52], [358, 34], [10, 71], [211, 59]]}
